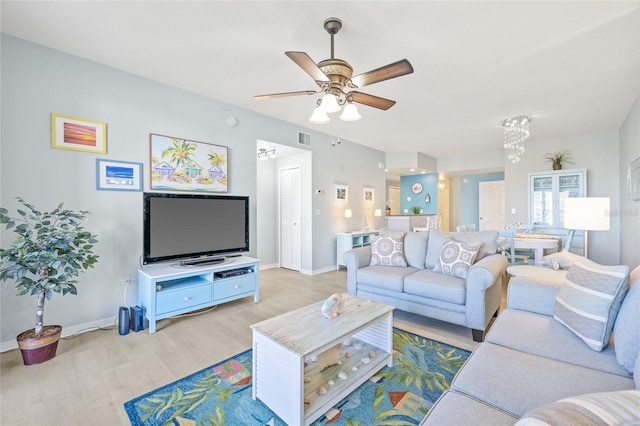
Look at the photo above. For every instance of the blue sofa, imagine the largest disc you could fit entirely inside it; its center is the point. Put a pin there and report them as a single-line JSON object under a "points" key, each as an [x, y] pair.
{"points": [[529, 361], [416, 288]]}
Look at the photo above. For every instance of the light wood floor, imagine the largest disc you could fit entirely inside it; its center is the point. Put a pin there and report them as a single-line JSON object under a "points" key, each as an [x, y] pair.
{"points": [[95, 373]]}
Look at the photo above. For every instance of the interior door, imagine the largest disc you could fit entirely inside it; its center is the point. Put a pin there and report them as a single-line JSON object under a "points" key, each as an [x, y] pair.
{"points": [[491, 205], [290, 230], [394, 199]]}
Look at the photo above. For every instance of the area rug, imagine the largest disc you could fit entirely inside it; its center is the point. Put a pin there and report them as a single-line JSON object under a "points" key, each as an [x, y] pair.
{"points": [[221, 394]]}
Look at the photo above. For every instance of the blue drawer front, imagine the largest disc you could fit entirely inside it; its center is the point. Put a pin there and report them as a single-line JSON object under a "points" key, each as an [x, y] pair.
{"points": [[234, 286], [180, 299]]}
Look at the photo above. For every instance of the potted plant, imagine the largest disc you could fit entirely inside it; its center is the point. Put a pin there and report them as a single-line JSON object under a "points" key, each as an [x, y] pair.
{"points": [[49, 252], [416, 209], [557, 159], [387, 208]]}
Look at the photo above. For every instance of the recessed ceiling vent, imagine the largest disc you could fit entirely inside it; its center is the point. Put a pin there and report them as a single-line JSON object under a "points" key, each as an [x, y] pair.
{"points": [[304, 139]]}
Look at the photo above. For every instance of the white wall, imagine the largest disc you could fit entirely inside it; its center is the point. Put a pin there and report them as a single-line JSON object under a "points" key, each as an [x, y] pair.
{"points": [[629, 211], [37, 81], [267, 214]]}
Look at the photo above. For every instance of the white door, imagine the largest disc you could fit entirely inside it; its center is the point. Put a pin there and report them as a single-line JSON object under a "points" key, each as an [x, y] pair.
{"points": [[290, 234], [394, 199], [491, 205]]}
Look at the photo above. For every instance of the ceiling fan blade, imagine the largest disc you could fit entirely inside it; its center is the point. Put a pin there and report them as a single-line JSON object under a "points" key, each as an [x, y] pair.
{"points": [[396, 69], [370, 100], [306, 63], [282, 95]]}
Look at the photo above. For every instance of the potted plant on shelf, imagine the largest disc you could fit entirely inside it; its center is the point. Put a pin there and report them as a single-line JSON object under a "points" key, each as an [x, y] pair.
{"points": [[557, 159], [387, 208], [416, 209], [49, 252]]}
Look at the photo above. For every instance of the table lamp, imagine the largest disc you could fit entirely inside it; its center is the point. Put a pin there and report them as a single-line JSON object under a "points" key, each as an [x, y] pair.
{"points": [[586, 214], [377, 213], [348, 214]]}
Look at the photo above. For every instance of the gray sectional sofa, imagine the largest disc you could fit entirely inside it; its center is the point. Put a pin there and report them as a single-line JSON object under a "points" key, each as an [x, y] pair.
{"points": [[529, 361], [416, 288]]}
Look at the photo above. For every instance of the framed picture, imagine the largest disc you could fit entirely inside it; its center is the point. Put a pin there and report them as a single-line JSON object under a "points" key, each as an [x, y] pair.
{"points": [[118, 175], [185, 165], [368, 195], [633, 176], [78, 134], [340, 193]]}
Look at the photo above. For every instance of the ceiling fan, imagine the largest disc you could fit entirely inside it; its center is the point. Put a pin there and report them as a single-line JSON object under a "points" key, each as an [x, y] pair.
{"points": [[334, 77]]}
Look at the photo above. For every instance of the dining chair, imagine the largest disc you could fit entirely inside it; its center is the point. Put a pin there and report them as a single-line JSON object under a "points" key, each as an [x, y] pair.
{"points": [[507, 246]]}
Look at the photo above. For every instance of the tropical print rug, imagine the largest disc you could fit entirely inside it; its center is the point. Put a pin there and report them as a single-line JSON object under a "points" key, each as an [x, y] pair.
{"points": [[221, 394]]}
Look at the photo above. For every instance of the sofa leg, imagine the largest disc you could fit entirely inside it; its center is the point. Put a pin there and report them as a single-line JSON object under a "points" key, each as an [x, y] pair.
{"points": [[478, 335]]}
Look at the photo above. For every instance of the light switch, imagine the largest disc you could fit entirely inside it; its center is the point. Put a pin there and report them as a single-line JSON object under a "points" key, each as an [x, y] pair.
{"points": [[513, 211]]}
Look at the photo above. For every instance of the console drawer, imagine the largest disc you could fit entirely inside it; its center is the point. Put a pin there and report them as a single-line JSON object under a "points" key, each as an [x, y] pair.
{"points": [[233, 286], [168, 301]]}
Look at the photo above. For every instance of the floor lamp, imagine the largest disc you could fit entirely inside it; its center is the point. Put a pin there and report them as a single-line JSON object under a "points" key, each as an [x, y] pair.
{"points": [[586, 214]]}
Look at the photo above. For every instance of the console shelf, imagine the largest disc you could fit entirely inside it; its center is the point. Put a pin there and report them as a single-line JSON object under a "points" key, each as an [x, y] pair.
{"points": [[168, 290]]}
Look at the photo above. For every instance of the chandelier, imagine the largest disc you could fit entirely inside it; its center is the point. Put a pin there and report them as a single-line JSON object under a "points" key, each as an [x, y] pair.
{"points": [[331, 102], [265, 154], [516, 131]]}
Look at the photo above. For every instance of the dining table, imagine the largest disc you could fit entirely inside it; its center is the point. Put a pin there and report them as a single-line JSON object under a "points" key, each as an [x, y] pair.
{"points": [[535, 242]]}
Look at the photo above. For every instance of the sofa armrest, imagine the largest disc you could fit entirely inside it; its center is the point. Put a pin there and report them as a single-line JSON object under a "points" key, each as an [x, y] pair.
{"points": [[537, 296], [355, 259], [484, 290]]}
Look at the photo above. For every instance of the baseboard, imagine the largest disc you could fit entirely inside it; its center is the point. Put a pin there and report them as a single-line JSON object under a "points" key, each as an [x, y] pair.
{"points": [[68, 331], [269, 266]]}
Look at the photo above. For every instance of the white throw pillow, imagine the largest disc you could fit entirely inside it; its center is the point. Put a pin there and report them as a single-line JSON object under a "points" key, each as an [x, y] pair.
{"points": [[457, 257], [387, 250], [605, 408], [589, 299], [564, 259]]}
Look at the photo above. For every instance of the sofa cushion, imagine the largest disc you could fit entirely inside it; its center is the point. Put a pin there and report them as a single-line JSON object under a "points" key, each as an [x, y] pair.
{"points": [[603, 408], [435, 285], [385, 277], [455, 409], [456, 257], [488, 239], [387, 250], [541, 335], [626, 332], [589, 300], [517, 382], [415, 248]]}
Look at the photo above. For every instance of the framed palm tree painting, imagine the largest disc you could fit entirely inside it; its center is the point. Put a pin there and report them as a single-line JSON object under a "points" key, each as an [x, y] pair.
{"points": [[184, 165]]}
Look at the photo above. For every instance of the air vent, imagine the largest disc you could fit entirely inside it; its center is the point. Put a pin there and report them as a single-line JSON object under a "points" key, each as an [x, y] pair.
{"points": [[304, 139]]}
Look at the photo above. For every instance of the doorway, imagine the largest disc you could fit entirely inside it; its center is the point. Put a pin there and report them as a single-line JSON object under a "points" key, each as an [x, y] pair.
{"points": [[394, 199], [491, 205], [290, 212]]}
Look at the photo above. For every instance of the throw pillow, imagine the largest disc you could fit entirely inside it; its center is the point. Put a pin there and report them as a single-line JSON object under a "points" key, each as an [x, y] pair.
{"points": [[387, 250], [626, 333], [457, 257], [589, 299], [564, 259], [605, 408], [489, 240]]}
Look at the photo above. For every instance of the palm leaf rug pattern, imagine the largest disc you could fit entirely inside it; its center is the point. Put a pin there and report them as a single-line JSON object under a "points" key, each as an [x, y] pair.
{"points": [[221, 395]]}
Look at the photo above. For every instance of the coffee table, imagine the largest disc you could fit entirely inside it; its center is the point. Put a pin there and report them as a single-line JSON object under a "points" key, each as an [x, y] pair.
{"points": [[286, 375]]}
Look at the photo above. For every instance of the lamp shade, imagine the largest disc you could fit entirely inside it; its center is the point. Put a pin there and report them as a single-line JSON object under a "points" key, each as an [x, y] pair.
{"points": [[347, 213], [587, 213], [319, 116], [377, 213], [330, 103], [350, 113]]}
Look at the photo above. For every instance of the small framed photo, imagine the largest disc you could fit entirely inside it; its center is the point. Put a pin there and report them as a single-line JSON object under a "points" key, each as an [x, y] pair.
{"points": [[368, 195], [340, 193], [633, 176], [78, 134], [118, 175]]}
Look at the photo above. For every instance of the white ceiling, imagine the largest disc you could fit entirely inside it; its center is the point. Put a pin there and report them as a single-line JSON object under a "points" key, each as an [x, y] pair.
{"points": [[574, 66]]}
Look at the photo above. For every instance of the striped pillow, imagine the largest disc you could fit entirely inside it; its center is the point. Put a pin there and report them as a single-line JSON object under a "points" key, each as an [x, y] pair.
{"points": [[589, 300], [606, 408]]}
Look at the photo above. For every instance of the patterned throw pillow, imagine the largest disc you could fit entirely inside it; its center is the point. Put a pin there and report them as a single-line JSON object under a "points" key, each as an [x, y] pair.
{"points": [[605, 408], [589, 299], [457, 257], [387, 250]]}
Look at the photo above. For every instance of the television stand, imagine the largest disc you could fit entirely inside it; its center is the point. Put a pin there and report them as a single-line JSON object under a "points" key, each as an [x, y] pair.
{"points": [[165, 291]]}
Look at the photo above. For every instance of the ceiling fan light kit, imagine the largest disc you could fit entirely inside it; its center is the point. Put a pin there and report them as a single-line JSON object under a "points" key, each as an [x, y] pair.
{"points": [[334, 79]]}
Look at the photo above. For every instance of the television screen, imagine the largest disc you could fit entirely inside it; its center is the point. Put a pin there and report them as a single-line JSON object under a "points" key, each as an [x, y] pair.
{"points": [[178, 226]]}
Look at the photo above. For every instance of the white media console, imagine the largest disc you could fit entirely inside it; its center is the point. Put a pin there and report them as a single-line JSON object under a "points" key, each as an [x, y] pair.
{"points": [[166, 290]]}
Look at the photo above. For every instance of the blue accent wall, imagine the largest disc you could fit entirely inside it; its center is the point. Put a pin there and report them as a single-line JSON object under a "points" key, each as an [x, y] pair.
{"points": [[470, 196], [429, 186]]}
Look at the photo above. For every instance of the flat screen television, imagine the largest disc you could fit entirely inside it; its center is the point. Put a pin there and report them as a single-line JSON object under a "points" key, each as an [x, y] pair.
{"points": [[194, 228]]}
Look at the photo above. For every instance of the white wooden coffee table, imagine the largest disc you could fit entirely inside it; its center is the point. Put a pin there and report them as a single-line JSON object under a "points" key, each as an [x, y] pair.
{"points": [[285, 375]]}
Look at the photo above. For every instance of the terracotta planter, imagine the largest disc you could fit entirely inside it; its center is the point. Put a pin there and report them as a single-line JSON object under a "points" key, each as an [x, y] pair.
{"points": [[387, 212], [38, 349], [557, 166]]}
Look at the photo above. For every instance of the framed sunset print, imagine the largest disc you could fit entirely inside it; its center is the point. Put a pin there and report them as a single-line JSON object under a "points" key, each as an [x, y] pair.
{"points": [[78, 134]]}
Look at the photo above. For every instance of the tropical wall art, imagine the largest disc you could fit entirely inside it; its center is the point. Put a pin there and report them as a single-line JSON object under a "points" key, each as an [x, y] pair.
{"points": [[78, 134], [185, 165]]}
